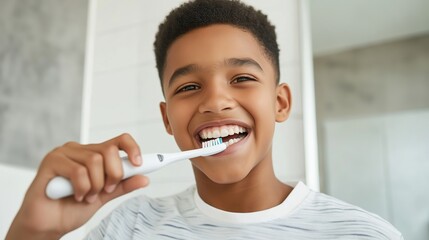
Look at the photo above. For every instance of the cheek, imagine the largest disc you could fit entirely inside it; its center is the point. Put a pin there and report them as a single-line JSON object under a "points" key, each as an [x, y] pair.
{"points": [[263, 104], [263, 111], [179, 116]]}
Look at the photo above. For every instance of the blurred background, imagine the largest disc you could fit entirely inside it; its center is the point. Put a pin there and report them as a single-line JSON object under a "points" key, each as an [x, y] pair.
{"points": [[371, 73], [359, 72]]}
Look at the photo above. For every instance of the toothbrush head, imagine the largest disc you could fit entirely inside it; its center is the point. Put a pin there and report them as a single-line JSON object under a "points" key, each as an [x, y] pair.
{"points": [[213, 142], [212, 147]]}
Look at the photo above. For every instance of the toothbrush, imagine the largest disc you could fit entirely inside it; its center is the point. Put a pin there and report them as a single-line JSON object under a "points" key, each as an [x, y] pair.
{"points": [[60, 187]]}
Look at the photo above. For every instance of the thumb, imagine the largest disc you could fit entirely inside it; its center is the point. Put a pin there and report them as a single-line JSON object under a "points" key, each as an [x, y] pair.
{"points": [[124, 187]]}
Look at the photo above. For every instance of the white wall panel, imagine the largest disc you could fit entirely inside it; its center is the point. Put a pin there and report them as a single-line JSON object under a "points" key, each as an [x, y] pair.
{"points": [[381, 164], [408, 165], [128, 46], [291, 74], [288, 150], [355, 163], [114, 14], [114, 99]]}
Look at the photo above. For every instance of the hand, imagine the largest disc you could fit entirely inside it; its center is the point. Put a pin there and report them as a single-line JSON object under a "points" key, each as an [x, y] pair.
{"points": [[95, 172]]}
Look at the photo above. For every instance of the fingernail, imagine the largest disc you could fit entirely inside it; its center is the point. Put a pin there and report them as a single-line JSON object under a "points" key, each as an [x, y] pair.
{"points": [[138, 160], [110, 188], [91, 199]]}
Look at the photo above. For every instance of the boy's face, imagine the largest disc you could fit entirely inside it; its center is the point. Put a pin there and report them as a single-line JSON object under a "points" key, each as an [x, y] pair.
{"points": [[219, 80]]}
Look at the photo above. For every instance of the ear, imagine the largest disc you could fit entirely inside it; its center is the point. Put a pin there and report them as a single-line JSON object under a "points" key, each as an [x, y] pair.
{"points": [[283, 102], [163, 108]]}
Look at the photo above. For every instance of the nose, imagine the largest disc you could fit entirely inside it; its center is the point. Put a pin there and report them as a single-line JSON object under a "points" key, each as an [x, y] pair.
{"points": [[216, 99]]}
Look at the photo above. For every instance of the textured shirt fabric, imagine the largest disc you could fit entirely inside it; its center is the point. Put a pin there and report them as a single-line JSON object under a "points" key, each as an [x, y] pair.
{"points": [[305, 214]]}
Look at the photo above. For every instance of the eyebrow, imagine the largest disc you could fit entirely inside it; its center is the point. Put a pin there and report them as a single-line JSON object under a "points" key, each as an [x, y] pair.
{"points": [[230, 62], [238, 62], [182, 71]]}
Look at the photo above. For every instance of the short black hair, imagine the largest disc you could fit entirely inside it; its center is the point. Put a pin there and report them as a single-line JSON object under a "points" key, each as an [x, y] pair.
{"points": [[201, 13]]}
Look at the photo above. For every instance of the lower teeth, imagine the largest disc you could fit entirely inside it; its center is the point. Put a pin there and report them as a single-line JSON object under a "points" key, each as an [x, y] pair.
{"points": [[232, 141]]}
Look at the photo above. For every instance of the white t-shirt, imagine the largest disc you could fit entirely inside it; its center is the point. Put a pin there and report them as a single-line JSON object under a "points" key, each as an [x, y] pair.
{"points": [[304, 214]]}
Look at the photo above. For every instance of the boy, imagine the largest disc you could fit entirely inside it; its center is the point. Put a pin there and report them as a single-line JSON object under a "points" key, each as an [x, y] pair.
{"points": [[219, 70]]}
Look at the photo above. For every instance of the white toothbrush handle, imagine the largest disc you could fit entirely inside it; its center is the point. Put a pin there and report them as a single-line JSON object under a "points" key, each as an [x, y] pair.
{"points": [[60, 187]]}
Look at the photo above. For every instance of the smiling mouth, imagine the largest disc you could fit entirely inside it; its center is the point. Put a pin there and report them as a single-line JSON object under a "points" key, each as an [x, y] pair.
{"points": [[230, 134]]}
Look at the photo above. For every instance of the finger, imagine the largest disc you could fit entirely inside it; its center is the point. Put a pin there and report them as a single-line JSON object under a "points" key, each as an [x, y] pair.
{"points": [[75, 172], [127, 143], [126, 186], [94, 163], [112, 167], [72, 144]]}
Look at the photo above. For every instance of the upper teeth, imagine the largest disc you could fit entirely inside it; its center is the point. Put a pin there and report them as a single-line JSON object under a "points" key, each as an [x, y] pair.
{"points": [[222, 131]]}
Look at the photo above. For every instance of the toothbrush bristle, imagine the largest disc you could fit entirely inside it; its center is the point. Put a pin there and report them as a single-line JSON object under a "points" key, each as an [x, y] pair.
{"points": [[213, 142]]}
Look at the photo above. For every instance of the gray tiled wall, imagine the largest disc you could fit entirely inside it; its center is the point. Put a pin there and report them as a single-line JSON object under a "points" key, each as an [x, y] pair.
{"points": [[41, 77], [384, 78]]}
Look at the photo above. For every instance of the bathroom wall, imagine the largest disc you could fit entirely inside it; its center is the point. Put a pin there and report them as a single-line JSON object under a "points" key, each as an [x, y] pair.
{"points": [[372, 111], [42, 45], [381, 164], [41, 75], [383, 78]]}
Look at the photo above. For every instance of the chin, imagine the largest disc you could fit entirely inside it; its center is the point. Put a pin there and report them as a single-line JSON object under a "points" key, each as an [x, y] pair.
{"points": [[227, 178]]}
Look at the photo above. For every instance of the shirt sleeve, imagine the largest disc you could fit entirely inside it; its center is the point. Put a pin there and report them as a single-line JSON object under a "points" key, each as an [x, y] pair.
{"points": [[117, 224]]}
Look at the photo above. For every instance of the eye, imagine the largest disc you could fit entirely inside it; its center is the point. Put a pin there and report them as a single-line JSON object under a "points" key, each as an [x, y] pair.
{"points": [[242, 79], [188, 87]]}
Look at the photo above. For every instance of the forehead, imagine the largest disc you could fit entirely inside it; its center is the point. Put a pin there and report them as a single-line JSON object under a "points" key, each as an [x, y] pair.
{"points": [[209, 46]]}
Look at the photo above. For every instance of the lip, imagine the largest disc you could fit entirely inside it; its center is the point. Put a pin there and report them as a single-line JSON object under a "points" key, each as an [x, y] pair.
{"points": [[218, 123]]}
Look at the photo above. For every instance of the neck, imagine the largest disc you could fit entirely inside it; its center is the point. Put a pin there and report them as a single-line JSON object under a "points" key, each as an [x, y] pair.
{"points": [[259, 190]]}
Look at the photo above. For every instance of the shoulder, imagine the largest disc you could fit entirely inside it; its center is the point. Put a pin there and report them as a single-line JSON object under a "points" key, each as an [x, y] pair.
{"points": [[140, 212], [148, 204], [347, 217]]}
